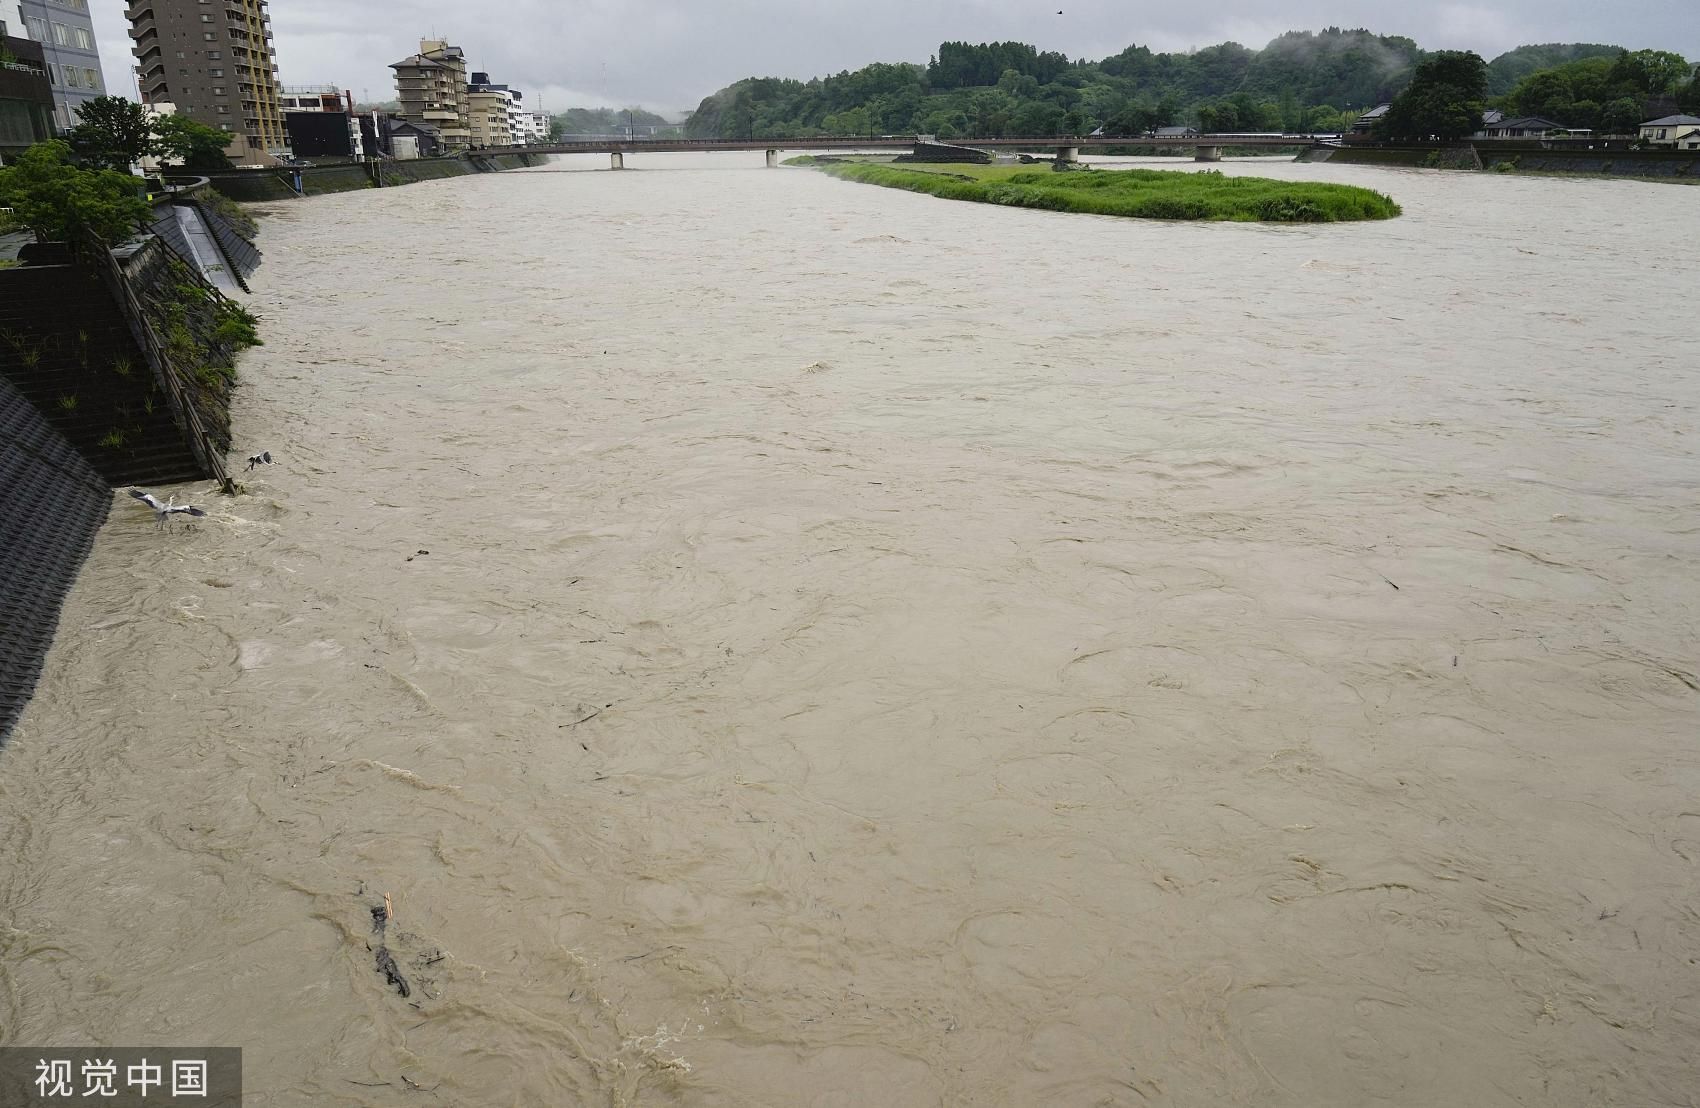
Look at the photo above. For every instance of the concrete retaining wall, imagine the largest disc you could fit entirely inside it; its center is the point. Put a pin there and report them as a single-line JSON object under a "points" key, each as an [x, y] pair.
{"points": [[255, 185], [423, 169], [1675, 165], [1529, 157]]}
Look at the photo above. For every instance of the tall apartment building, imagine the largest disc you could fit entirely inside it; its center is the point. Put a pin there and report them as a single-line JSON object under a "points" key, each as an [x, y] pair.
{"points": [[66, 33], [213, 59], [431, 87]]}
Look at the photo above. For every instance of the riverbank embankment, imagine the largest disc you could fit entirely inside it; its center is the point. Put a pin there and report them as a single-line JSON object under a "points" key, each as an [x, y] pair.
{"points": [[258, 185], [1653, 165]]}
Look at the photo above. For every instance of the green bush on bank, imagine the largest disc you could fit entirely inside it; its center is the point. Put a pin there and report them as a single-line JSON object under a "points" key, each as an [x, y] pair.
{"points": [[1144, 194]]}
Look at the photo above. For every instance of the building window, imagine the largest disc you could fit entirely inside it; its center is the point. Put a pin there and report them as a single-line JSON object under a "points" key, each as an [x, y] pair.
{"points": [[92, 76], [205, 18], [181, 55], [215, 73], [207, 35], [84, 39], [223, 109], [62, 36], [37, 27], [214, 55], [218, 90]]}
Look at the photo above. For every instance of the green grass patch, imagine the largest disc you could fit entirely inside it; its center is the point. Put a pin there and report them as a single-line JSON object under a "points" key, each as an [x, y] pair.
{"points": [[1137, 193]]}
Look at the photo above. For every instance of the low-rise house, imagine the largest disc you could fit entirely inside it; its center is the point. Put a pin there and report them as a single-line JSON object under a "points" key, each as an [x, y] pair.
{"points": [[1675, 131], [1174, 132], [1522, 127], [407, 139]]}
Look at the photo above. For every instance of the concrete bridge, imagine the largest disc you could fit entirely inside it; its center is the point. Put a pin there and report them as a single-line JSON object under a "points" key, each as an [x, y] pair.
{"points": [[1207, 148]]}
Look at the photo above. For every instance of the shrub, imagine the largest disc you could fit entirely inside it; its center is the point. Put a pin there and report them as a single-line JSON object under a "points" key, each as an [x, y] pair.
{"points": [[1143, 194]]}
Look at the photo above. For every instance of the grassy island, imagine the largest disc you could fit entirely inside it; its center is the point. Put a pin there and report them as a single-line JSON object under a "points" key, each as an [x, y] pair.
{"points": [[1139, 193]]}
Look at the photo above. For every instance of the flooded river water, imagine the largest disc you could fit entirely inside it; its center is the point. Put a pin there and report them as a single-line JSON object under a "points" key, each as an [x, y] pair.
{"points": [[776, 641]]}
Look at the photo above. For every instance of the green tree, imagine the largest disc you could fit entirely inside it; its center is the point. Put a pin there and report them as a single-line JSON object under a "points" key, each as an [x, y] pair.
{"points": [[1443, 102], [1650, 72], [1622, 116], [112, 132], [1037, 119], [197, 147], [59, 201], [852, 122]]}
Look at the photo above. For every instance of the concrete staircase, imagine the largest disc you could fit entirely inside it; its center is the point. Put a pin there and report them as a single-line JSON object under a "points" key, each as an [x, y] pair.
{"points": [[81, 368]]}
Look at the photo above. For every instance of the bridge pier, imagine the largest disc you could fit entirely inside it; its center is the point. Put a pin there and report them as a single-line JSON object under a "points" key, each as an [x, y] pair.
{"points": [[772, 159], [616, 160], [1208, 154], [1070, 154]]}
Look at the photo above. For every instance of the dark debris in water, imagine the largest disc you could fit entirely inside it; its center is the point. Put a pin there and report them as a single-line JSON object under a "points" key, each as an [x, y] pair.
{"points": [[392, 972], [386, 960]]}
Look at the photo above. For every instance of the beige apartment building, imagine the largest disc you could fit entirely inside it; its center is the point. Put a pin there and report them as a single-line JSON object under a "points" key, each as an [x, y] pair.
{"points": [[431, 87], [491, 111], [213, 59]]}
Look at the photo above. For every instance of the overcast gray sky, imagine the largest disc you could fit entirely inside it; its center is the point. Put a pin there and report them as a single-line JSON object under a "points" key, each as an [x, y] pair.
{"points": [[668, 54]]}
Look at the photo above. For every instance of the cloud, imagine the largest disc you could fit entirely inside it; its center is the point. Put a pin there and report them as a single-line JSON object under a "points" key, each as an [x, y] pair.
{"points": [[667, 55]]}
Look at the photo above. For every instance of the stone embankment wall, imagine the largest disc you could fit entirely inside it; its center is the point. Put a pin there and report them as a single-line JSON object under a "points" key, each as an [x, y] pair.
{"points": [[127, 407], [1673, 165], [114, 370], [86, 375], [253, 185]]}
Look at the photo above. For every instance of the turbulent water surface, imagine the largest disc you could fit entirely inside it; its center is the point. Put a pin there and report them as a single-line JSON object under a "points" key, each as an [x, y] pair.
{"points": [[775, 641]]}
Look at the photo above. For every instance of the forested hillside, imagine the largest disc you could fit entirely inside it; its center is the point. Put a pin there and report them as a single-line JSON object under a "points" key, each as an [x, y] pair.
{"points": [[604, 121], [1512, 66], [1302, 81]]}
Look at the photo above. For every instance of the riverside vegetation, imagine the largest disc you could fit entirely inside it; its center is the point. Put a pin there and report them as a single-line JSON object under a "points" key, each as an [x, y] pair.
{"points": [[1138, 193]]}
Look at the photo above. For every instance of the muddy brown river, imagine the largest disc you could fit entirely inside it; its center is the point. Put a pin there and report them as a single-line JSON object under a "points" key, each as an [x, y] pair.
{"points": [[777, 641]]}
